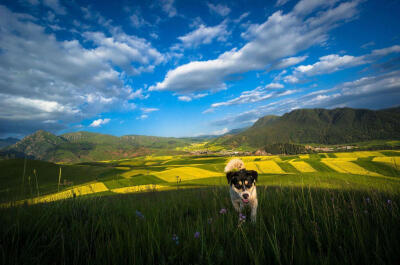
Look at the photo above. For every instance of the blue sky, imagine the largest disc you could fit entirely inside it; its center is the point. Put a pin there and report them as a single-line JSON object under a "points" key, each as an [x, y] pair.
{"points": [[186, 68]]}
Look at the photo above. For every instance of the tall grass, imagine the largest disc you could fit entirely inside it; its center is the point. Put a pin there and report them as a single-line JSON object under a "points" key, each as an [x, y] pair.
{"points": [[294, 226]]}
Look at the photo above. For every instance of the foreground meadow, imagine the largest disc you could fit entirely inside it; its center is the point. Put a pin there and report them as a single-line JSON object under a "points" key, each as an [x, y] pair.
{"points": [[199, 226]]}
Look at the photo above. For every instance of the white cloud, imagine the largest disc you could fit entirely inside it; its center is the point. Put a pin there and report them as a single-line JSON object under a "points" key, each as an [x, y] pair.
{"points": [[219, 9], [330, 63], [56, 6], [368, 44], [282, 35], [138, 21], [306, 7], [148, 110], [142, 117], [386, 51], [99, 122], [154, 35], [242, 16], [190, 97], [287, 62], [185, 98], [42, 78], [220, 132], [204, 35], [274, 85], [168, 7], [281, 2], [122, 49], [139, 93], [333, 62], [145, 113], [291, 79], [256, 95]]}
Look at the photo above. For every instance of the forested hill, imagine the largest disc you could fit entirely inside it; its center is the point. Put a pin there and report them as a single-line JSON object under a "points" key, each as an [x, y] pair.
{"points": [[323, 126], [88, 146]]}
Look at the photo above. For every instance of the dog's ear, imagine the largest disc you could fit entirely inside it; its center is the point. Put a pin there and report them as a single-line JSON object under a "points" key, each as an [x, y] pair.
{"points": [[254, 174], [229, 176]]}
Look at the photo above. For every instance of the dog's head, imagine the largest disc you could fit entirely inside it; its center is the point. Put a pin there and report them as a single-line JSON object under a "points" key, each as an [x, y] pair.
{"points": [[242, 182]]}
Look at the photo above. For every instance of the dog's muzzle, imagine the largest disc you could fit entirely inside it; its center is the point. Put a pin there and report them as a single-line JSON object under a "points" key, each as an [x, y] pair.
{"points": [[245, 198]]}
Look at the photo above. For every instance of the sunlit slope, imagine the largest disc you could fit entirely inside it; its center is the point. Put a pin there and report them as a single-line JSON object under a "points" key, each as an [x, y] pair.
{"points": [[392, 161], [186, 173]]}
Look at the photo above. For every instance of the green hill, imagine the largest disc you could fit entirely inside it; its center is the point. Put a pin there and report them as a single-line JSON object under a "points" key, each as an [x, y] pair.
{"points": [[88, 146], [322, 126]]}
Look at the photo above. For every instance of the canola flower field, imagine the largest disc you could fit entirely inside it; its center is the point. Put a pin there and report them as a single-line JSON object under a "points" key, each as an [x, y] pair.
{"points": [[350, 170]]}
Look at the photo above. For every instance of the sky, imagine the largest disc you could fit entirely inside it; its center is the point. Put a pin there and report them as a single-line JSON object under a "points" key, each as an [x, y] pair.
{"points": [[188, 68]]}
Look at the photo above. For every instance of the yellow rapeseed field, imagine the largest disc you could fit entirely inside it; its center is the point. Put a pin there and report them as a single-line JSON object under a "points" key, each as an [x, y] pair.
{"points": [[269, 167], [248, 158], [347, 167], [357, 154], [78, 191], [302, 166], [339, 159], [135, 172], [141, 188], [123, 168], [306, 156], [394, 161], [186, 173], [160, 158]]}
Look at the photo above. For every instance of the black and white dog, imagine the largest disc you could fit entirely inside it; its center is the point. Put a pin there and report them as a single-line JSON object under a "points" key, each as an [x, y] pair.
{"points": [[243, 186]]}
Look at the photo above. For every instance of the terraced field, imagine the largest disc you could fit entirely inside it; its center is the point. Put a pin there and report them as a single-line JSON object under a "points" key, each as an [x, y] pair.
{"points": [[353, 170]]}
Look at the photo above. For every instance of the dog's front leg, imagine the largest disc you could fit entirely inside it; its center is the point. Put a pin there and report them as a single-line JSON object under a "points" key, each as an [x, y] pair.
{"points": [[254, 211], [236, 205]]}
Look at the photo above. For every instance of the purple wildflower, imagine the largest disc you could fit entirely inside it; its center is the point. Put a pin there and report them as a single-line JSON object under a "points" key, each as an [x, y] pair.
{"points": [[209, 220], [175, 238], [389, 201], [242, 217], [197, 235], [368, 200], [139, 214], [223, 211]]}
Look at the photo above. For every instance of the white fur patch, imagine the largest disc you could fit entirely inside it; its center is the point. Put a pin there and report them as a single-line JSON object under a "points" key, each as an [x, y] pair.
{"points": [[234, 164]]}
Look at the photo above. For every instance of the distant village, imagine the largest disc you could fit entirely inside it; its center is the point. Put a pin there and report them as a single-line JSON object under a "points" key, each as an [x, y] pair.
{"points": [[260, 152]]}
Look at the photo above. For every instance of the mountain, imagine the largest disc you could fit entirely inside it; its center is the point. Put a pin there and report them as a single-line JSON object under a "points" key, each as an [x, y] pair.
{"points": [[322, 126], [88, 146], [7, 142]]}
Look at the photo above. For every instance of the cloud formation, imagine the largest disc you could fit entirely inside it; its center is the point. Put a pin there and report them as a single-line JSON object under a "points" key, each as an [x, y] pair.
{"points": [[99, 122], [366, 92], [252, 96], [219, 9], [168, 7], [42, 78], [282, 35], [204, 35], [334, 62]]}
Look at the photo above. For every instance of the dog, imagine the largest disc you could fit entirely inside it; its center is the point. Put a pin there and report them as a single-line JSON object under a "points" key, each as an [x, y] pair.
{"points": [[242, 186]]}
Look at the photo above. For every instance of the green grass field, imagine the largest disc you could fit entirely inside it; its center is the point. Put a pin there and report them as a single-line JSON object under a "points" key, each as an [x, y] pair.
{"points": [[313, 209], [294, 226]]}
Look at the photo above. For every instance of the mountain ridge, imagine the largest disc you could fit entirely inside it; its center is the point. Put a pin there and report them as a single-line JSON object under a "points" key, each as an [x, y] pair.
{"points": [[301, 126], [322, 126]]}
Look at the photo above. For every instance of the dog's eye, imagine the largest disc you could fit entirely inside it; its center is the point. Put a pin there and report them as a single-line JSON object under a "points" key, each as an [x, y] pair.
{"points": [[238, 186]]}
